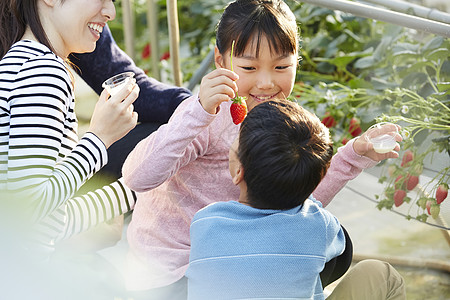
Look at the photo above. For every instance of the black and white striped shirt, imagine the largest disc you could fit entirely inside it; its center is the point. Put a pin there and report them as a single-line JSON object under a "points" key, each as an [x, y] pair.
{"points": [[42, 161]]}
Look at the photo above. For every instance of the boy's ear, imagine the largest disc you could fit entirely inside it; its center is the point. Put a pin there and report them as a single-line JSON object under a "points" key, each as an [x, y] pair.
{"points": [[239, 175], [218, 58]]}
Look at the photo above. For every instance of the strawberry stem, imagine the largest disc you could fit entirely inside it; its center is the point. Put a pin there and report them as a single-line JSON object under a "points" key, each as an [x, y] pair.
{"points": [[231, 61]]}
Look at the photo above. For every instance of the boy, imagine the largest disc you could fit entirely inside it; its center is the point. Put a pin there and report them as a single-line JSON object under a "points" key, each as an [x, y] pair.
{"points": [[275, 241]]}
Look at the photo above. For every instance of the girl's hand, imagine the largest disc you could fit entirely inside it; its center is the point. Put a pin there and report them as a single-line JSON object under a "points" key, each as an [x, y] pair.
{"points": [[217, 87], [113, 118], [364, 148]]}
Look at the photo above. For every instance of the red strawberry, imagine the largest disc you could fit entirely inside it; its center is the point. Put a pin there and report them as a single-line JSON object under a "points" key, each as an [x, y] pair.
{"points": [[407, 157], [238, 109], [165, 56], [328, 120], [399, 195], [344, 141], [146, 52], [355, 128], [441, 193], [412, 181]]}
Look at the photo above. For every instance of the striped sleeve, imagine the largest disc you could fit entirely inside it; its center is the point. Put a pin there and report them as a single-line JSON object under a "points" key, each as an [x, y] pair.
{"points": [[46, 164], [81, 213]]}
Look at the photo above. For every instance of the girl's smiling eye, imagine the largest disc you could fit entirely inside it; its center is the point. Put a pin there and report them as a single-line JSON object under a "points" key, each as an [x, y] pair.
{"points": [[281, 67], [248, 68]]}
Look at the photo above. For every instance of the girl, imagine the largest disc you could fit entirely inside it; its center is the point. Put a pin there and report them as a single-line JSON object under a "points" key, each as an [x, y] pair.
{"points": [[183, 166], [42, 162]]}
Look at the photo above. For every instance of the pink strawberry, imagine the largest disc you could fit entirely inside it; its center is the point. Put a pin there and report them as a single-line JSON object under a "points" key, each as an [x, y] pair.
{"points": [[441, 193], [428, 205], [412, 181], [407, 157], [399, 195], [238, 109]]}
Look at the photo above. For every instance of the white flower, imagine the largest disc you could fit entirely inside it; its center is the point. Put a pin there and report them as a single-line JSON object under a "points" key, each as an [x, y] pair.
{"points": [[426, 120], [405, 109], [330, 97]]}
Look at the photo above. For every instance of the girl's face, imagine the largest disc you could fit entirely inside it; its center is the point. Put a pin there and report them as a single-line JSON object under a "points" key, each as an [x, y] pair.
{"points": [[266, 77], [75, 25]]}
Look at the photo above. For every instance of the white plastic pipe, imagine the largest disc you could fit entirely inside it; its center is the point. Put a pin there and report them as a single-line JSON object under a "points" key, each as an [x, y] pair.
{"points": [[417, 10], [385, 15]]}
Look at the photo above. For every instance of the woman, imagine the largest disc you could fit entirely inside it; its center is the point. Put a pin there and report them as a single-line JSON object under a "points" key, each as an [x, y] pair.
{"points": [[42, 162]]}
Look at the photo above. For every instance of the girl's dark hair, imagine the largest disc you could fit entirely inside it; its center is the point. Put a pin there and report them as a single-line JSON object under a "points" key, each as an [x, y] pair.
{"points": [[249, 20], [15, 16], [285, 152]]}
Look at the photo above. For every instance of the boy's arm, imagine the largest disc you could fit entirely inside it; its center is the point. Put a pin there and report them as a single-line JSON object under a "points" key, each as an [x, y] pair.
{"points": [[345, 166], [156, 101]]}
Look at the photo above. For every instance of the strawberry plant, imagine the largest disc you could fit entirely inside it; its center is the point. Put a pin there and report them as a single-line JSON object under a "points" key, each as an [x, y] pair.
{"points": [[362, 74]]}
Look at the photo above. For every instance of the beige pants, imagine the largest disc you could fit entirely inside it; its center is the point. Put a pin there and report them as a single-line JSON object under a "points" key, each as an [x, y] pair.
{"points": [[370, 280]]}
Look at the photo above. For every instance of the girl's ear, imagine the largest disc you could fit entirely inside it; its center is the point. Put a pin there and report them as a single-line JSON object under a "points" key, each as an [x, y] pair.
{"points": [[218, 58], [239, 175]]}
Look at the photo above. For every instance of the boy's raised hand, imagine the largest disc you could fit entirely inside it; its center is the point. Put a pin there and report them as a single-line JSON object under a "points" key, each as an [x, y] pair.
{"points": [[364, 148], [217, 87]]}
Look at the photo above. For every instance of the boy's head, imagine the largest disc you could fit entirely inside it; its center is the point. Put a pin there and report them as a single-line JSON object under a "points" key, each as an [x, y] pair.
{"points": [[265, 55], [284, 151]]}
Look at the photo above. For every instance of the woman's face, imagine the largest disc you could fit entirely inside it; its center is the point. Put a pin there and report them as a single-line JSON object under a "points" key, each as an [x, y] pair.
{"points": [[75, 25], [266, 77]]}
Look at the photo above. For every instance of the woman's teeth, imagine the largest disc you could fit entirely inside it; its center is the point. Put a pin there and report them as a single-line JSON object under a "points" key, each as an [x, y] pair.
{"points": [[96, 27]]}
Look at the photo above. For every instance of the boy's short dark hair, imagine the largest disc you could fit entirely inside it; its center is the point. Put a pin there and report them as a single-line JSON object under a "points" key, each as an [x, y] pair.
{"points": [[285, 152]]}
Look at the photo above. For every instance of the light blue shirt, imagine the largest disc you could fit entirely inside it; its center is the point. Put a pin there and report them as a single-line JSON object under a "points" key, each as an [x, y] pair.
{"points": [[241, 252]]}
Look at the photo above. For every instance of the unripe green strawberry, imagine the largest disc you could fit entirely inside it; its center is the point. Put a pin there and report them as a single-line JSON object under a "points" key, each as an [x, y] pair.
{"points": [[441, 193], [422, 202], [238, 109], [412, 181], [399, 195], [434, 210]]}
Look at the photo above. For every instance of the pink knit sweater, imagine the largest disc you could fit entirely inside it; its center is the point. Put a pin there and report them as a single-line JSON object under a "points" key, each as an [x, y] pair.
{"points": [[181, 168]]}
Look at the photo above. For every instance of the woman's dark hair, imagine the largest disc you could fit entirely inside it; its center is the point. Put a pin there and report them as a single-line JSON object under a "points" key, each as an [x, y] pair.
{"points": [[15, 16], [247, 21], [285, 152]]}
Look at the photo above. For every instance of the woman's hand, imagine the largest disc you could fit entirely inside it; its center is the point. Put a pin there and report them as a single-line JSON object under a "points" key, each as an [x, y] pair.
{"points": [[113, 118], [217, 87], [363, 147]]}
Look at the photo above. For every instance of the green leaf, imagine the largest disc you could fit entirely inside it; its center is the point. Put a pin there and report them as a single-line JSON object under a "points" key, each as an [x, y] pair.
{"points": [[439, 54], [416, 78], [418, 66], [433, 43], [365, 62], [443, 86]]}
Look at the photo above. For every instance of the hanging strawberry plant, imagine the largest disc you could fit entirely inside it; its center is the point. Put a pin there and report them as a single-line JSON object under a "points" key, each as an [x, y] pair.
{"points": [[356, 72]]}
